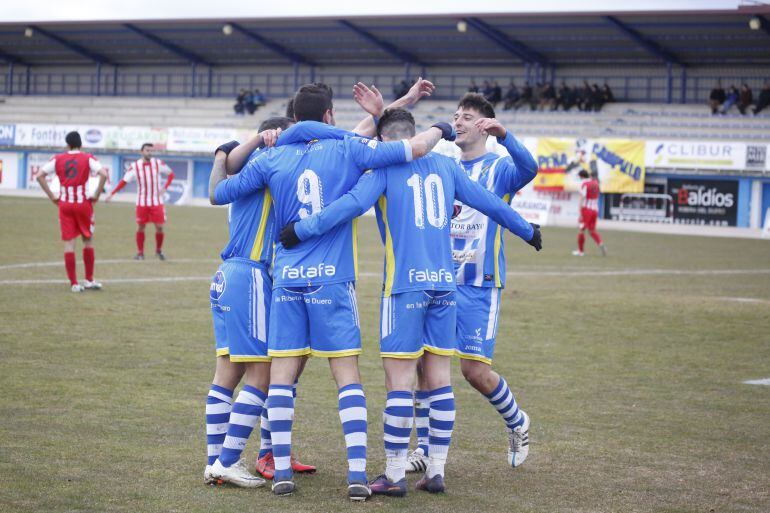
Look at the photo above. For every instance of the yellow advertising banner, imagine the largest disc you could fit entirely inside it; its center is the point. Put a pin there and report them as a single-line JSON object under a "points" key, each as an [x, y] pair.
{"points": [[618, 164]]}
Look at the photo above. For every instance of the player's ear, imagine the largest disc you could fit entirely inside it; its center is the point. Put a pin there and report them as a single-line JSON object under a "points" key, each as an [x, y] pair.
{"points": [[329, 117]]}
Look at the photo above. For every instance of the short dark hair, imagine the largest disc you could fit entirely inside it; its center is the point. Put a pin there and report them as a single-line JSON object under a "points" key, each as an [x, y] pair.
{"points": [[275, 122], [477, 102], [312, 101], [396, 123], [145, 145], [73, 140], [583, 173], [290, 108]]}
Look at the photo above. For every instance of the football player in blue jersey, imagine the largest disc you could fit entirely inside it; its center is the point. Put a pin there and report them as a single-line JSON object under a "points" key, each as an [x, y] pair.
{"points": [[240, 304], [477, 244], [414, 203], [313, 309]]}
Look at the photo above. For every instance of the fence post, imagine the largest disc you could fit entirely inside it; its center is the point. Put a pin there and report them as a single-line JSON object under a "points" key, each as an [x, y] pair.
{"points": [[192, 77], [9, 84], [683, 94], [98, 79], [208, 84], [296, 76], [28, 78], [669, 83]]}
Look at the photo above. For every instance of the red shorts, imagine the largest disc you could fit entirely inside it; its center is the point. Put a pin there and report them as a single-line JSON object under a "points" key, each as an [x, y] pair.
{"points": [[76, 219], [588, 219], [156, 215]]}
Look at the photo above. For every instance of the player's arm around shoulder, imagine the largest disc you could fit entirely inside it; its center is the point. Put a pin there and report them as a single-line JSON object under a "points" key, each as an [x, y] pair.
{"points": [[520, 168]]}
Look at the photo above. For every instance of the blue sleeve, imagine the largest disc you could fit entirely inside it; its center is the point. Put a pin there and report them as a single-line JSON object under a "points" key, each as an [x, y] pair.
{"points": [[308, 130], [356, 202], [520, 168], [370, 153], [252, 178], [473, 194]]}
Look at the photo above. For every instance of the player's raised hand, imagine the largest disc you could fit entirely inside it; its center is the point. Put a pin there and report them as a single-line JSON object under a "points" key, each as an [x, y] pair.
{"points": [[490, 126], [369, 98], [270, 137], [288, 236], [421, 89]]}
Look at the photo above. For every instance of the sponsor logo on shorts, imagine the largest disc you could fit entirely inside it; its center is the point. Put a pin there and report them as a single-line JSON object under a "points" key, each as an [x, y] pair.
{"points": [[302, 272], [422, 275], [218, 285]]}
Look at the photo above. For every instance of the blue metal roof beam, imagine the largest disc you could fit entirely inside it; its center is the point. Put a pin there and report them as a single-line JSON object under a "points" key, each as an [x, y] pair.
{"points": [[171, 47], [645, 42], [516, 48], [78, 49], [388, 48], [275, 47]]}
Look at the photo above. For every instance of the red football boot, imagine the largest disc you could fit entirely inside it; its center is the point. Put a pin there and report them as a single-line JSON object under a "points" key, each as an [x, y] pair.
{"points": [[265, 466]]}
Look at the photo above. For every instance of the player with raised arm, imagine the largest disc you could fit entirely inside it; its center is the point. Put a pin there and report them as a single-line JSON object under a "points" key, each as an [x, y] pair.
{"points": [[314, 301], [148, 172], [76, 211], [477, 244], [418, 315], [589, 211]]}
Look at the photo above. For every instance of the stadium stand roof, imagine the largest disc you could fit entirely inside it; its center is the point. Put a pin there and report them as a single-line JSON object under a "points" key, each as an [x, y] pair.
{"points": [[681, 39]]}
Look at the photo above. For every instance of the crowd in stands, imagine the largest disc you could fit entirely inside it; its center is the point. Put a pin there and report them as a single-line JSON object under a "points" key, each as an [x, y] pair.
{"points": [[545, 97], [248, 101], [721, 101]]}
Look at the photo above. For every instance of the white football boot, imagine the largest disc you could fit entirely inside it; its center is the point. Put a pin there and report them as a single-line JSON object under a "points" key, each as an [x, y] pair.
{"points": [[416, 461], [207, 477], [236, 474], [518, 442], [77, 288], [93, 285], [577, 252]]}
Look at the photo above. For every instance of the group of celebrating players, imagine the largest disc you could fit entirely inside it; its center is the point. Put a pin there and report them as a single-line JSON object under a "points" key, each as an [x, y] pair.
{"points": [[286, 287]]}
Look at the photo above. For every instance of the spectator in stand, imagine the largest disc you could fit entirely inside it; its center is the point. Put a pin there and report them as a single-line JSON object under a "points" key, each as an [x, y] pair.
{"points": [[585, 103], [259, 98], [732, 98], [547, 97], [607, 93], [561, 96], [496, 94], [240, 103], [473, 88], [716, 98], [763, 100], [487, 90], [537, 91], [525, 98], [597, 98], [248, 102], [745, 98], [511, 96]]}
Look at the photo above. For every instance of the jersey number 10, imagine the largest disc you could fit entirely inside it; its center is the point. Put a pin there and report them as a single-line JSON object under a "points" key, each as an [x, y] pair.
{"points": [[434, 204]]}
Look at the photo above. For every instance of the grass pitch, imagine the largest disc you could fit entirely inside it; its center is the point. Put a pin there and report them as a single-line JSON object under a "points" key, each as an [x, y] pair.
{"points": [[631, 367]]}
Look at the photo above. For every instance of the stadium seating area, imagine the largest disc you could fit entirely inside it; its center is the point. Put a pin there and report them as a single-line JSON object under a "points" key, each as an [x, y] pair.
{"points": [[651, 120]]}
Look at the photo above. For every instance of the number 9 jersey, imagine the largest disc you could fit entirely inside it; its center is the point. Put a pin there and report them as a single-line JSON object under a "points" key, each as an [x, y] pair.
{"points": [[303, 177]]}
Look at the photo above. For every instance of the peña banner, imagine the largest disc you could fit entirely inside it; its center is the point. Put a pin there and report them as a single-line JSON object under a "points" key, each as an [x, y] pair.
{"points": [[618, 164]]}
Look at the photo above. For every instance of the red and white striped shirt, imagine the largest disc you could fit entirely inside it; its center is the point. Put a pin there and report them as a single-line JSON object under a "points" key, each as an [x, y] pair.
{"points": [[148, 175], [589, 189], [73, 169]]}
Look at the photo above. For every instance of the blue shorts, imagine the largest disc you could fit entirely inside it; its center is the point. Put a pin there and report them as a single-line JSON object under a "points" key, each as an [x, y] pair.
{"points": [[477, 312], [240, 306], [417, 321], [320, 320]]}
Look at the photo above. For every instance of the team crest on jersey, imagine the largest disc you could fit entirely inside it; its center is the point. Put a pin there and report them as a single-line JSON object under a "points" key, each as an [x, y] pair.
{"points": [[218, 285], [369, 142]]}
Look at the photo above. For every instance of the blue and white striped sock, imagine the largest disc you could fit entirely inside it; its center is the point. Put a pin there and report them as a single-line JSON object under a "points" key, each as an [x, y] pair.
{"points": [[352, 405], [421, 408], [218, 405], [280, 413], [397, 419], [442, 421], [505, 404], [247, 409], [265, 440]]}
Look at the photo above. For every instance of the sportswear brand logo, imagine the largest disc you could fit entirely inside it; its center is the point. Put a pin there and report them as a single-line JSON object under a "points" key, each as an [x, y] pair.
{"points": [[442, 275], [302, 272]]}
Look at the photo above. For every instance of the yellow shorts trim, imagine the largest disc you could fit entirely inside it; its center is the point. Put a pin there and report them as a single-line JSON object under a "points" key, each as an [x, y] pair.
{"points": [[335, 354], [440, 352], [224, 351], [403, 356], [275, 353], [475, 357], [238, 359]]}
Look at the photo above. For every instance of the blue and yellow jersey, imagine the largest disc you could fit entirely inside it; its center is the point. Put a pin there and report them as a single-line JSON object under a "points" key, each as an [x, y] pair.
{"points": [[304, 177], [477, 241], [414, 204], [251, 224]]}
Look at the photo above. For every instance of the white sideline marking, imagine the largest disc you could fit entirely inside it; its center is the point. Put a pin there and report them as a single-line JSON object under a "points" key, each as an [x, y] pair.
{"points": [[107, 282], [765, 382], [745, 299], [621, 272], [100, 262]]}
